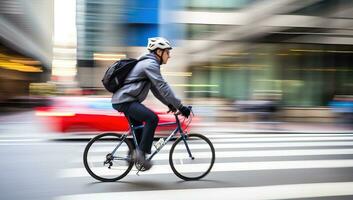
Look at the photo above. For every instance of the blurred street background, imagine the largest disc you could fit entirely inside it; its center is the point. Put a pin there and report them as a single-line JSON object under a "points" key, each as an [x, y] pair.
{"points": [[270, 82]]}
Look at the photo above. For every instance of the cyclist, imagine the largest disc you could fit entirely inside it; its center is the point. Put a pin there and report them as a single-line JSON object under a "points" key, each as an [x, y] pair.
{"points": [[128, 99]]}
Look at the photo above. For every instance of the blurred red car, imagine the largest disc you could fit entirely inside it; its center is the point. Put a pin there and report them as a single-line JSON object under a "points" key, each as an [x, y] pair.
{"points": [[90, 115]]}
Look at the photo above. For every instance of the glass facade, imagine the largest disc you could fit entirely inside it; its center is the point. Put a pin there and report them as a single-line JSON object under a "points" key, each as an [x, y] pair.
{"points": [[203, 31], [319, 8], [109, 26], [217, 5], [298, 75], [99, 27]]}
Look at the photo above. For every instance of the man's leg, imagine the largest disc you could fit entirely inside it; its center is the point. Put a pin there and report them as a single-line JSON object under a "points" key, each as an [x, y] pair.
{"points": [[124, 108], [138, 132], [139, 112]]}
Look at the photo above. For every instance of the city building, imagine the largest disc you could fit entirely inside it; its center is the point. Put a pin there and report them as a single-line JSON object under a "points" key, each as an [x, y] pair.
{"points": [[26, 29], [299, 52]]}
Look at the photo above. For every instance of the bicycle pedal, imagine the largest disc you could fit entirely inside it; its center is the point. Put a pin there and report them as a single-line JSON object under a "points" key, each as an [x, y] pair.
{"points": [[140, 167]]}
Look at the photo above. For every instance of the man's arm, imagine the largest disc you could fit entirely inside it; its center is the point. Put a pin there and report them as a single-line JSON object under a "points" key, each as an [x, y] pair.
{"points": [[158, 96], [161, 87]]}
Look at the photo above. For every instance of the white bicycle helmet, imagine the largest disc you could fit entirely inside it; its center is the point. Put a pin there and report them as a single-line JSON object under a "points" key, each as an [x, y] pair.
{"points": [[158, 43]]}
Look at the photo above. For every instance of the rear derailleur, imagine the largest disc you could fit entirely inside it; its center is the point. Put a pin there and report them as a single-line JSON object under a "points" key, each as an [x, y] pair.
{"points": [[108, 160]]}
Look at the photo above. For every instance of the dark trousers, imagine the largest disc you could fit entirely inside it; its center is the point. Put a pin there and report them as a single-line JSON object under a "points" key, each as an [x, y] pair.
{"points": [[137, 113]]}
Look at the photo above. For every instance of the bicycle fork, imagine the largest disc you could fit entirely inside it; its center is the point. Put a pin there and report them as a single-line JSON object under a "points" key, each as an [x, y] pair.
{"points": [[187, 147]]}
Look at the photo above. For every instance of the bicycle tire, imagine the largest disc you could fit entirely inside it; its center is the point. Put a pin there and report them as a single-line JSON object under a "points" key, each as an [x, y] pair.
{"points": [[192, 137], [118, 138]]}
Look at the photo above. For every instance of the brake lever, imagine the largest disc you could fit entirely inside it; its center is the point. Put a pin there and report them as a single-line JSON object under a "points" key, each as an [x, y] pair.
{"points": [[190, 107]]}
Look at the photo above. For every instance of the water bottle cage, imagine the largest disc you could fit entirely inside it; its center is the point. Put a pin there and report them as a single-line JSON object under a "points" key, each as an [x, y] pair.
{"points": [[159, 144]]}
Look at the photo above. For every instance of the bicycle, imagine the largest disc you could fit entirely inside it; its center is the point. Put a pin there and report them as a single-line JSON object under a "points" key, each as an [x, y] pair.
{"points": [[187, 157]]}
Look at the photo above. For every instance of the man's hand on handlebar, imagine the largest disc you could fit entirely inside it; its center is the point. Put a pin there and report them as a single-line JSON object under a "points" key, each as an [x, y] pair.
{"points": [[171, 109], [185, 111]]}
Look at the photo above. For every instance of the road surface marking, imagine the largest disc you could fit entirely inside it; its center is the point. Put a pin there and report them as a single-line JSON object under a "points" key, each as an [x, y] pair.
{"points": [[241, 154], [247, 135], [222, 167], [308, 190], [218, 146]]}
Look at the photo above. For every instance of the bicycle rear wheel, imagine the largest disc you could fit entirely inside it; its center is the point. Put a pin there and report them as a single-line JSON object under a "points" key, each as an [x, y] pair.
{"points": [[101, 163], [192, 158]]}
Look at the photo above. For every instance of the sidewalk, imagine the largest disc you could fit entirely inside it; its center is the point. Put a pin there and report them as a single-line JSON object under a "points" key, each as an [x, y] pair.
{"points": [[282, 127]]}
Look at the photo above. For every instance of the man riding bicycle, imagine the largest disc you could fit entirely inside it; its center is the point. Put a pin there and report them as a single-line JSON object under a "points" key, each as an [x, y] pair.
{"points": [[128, 99]]}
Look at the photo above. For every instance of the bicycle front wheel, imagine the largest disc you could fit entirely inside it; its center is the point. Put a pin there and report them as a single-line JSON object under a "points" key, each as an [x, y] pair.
{"points": [[192, 157], [105, 164]]}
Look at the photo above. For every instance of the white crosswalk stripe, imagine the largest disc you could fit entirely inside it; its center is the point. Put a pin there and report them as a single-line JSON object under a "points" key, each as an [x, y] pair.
{"points": [[280, 139], [291, 135], [230, 167], [241, 154], [267, 152], [237, 141], [38, 139], [217, 129], [9, 141], [309, 190], [219, 146]]}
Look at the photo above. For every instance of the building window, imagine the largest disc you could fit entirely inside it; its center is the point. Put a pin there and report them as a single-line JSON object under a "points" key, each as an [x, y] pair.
{"points": [[217, 5], [203, 31]]}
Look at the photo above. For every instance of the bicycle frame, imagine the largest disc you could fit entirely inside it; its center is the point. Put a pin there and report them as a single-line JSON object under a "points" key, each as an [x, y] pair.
{"points": [[177, 129]]}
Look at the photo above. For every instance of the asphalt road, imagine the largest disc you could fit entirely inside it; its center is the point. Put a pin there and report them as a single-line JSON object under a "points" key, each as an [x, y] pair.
{"points": [[248, 166]]}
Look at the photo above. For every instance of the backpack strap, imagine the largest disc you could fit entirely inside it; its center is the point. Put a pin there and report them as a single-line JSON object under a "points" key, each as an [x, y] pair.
{"points": [[138, 80], [135, 81]]}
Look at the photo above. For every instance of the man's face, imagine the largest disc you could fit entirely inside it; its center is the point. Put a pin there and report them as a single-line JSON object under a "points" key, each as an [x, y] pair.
{"points": [[165, 55]]}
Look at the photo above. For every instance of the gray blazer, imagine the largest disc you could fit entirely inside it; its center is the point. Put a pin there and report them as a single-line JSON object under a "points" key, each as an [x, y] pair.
{"points": [[148, 69]]}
